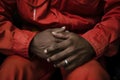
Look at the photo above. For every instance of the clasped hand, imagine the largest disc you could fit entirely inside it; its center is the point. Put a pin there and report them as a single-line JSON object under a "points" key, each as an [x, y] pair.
{"points": [[64, 49]]}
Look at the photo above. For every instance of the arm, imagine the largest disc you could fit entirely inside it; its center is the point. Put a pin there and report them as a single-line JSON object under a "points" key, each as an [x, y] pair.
{"points": [[103, 38], [12, 39], [105, 35], [16, 41]]}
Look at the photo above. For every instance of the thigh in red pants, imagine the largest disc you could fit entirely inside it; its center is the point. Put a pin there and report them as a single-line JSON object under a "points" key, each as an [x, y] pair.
{"points": [[19, 68], [89, 71]]}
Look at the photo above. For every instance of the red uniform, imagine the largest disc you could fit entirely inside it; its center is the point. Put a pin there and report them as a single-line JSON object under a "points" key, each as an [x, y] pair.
{"points": [[98, 21]]}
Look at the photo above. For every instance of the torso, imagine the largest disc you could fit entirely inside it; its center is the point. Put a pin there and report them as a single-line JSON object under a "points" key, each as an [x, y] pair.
{"points": [[76, 7]]}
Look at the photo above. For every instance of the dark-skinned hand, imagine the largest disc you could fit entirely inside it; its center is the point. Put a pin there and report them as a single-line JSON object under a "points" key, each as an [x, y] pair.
{"points": [[43, 40], [75, 49]]}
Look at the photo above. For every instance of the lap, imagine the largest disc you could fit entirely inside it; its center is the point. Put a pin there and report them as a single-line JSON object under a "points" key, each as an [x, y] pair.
{"points": [[17, 67], [89, 71], [43, 70]]}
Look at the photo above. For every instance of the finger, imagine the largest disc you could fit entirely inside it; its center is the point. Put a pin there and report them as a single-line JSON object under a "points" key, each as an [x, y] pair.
{"points": [[67, 31], [70, 60], [76, 62], [58, 40], [57, 30], [59, 46], [60, 56], [61, 35]]}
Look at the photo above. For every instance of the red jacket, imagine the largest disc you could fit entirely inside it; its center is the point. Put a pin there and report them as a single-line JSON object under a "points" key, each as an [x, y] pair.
{"points": [[98, 21]]}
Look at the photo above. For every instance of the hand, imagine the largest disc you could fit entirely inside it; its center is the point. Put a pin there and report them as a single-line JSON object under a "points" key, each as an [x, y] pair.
{"points": [[75, 49], [42, 40]]}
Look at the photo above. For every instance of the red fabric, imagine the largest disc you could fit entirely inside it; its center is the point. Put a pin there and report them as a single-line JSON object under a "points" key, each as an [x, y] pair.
{"points": [[90, 71], [12, 39], [98, 21], [19, 68], [80, 16]]}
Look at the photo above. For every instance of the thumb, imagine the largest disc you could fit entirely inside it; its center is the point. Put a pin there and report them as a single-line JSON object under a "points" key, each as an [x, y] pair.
{"points": [[58, 30], [62, 35]]}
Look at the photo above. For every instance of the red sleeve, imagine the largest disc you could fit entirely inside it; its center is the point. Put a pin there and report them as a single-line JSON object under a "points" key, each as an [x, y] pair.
{"points": [[12, 39], [105, 35]]}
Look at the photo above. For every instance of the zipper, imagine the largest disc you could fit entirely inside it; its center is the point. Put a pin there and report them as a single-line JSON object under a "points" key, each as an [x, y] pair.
{"points": [[34, 14]]}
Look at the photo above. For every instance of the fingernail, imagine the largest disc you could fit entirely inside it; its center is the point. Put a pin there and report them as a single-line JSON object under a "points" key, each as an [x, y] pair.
{"points": [[63, 27], [54, 33], [45, 51], [48, 59]]}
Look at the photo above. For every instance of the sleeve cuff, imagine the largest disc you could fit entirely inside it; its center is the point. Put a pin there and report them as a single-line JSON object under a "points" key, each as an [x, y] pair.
{"points": [[21, 42], [98, 40]]}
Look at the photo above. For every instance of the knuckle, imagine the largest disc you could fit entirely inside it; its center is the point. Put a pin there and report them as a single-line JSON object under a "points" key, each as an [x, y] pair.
{"points": [[72, 48], [52, 47], [55, 46]]}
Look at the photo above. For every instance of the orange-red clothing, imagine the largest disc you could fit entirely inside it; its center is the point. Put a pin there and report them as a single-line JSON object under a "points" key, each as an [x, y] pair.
{"points": [[19, 68], [98, 21]]}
